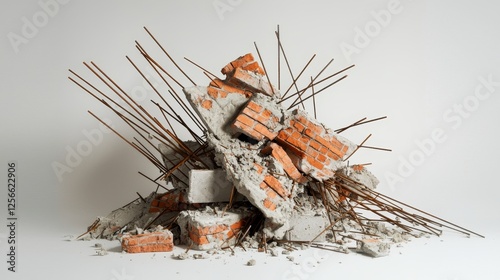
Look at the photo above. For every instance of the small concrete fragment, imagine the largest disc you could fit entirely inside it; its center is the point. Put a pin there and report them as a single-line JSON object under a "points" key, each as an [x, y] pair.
{"points": [[373, 247], [360, 174], [159, 241]]}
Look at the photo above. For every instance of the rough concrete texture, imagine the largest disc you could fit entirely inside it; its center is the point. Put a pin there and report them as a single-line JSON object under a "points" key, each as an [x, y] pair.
{"points": [[209, 186], [307, 221], [211, 227], [257, 179], [362, 175], [158, 241], [374, 247], [128, 217], [217, 113]]}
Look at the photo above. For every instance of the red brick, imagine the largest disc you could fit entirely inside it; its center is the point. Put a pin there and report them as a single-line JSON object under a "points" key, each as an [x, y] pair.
{"points": [[283, 135], [297, 125], [271, 193], [254, 106], [245, 120], [315, 163], [312, 152], [256, 116], [358, 167], [239, 62], [249, 131], [207, 104], [321, 158], [148, 242], [305, 140], [269, 204], [223, 89], [265, 131], [258, 167], [296, 143], [274, 184], [315, 145], [254, 67]]}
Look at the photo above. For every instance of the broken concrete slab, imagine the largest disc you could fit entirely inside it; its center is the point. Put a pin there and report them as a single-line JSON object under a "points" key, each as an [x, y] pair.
{"points": [[210, 186], [216, 113]]}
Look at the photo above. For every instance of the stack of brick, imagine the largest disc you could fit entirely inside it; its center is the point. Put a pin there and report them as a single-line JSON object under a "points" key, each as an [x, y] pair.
{"points": [[159, 241], [313, 150], [256, 122], [204, 230]]}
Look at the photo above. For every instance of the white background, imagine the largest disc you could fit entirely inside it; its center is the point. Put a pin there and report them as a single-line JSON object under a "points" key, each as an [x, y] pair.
{"points": [[416, 66]]}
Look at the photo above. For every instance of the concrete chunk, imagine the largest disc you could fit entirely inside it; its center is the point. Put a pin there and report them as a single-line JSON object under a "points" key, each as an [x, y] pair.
{"points": [[306, 226], [208, 186]]}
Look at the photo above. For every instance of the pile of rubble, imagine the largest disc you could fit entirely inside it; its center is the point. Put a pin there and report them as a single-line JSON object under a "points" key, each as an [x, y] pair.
{"points": [[260, 173]]}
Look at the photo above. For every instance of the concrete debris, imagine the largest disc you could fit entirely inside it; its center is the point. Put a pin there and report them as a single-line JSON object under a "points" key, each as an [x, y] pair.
{"points": [[261, 176], [374, 247]]}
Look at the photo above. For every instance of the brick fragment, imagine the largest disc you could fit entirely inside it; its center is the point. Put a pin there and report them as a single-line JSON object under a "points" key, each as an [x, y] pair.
{"points": [[161, 241], [207, 104], [206, 230], [282, 157], [239, 62], [274, 184]]}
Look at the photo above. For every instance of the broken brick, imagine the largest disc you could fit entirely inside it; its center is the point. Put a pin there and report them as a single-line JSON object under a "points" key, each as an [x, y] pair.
{"points": [[160, 241]]}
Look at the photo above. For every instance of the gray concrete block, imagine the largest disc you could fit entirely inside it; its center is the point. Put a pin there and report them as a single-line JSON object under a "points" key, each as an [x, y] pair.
{"points": [[208, 186]]}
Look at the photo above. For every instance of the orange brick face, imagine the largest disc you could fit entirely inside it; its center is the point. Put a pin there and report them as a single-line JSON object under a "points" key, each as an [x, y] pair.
{"points": [[310, 142], [256, 122], [169, 202], [148, 242], [219, 233], [282, 157]]}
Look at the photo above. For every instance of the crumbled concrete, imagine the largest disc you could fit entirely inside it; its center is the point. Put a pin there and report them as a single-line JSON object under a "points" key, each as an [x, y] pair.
{"points": [[362, 175], [211, 228], [374, 247], [127, 217]]}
